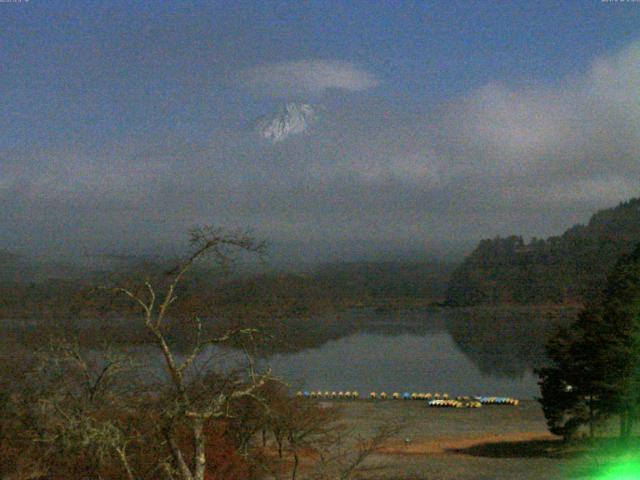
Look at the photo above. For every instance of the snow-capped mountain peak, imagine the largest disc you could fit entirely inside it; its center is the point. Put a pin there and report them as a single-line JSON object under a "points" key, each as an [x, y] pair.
{"points": [[290, 119]]}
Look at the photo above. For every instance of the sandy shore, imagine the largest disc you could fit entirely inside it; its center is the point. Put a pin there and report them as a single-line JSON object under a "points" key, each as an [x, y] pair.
{"points": [[493, 442]]}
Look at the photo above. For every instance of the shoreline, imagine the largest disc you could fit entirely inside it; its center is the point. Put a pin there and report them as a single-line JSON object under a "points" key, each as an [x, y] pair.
{"points": [[492, 442]]}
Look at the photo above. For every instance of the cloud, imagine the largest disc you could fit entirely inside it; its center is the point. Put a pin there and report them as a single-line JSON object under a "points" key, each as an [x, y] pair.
{"points": [[306, 77], [583, 126], [503, 159]]}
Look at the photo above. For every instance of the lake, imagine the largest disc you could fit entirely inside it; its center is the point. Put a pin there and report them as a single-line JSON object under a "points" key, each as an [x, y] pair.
{"points": [[479, 351], [458, 351]]}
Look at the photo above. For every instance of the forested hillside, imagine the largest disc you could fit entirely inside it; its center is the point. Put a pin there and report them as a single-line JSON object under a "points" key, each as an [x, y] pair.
{"points": [[57, 290], [566, 269]]}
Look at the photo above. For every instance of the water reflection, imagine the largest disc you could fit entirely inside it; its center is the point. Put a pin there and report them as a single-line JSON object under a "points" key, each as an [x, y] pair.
{"points": [[487, 351], [458, 351]]}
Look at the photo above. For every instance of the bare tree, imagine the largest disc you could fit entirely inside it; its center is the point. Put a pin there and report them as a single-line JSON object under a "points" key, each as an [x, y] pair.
{"points": [[313, 432], [72, 412], [306, 426], [93, 412], [344, 458], [186, 406]]}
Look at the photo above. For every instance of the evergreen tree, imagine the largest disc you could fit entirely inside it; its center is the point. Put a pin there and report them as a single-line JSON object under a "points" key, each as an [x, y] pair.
{"points": [[596, 362], [569, 388], [619, 356]]}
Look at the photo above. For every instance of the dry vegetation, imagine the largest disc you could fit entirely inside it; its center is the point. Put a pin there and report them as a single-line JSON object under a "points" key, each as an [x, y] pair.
{"points": [[71, 410]]}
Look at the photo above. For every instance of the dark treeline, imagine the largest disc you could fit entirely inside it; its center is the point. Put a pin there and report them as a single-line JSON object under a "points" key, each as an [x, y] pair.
{"points": [[566, 269], [35, 304], [28, 292]]}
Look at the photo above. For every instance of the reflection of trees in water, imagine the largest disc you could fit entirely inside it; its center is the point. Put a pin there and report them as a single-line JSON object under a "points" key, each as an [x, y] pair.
{"points": [[287, 336], [505, 342], [296, 335]]}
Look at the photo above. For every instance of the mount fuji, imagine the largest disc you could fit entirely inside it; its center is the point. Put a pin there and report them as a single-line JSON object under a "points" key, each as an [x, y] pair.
{"points": [[290, 119]]}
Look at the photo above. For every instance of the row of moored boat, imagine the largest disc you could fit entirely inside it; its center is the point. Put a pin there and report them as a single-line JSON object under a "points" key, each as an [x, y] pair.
{"points": [[434, 400]]}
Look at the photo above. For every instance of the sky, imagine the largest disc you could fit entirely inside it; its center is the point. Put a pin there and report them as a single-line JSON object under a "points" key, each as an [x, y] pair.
{"points": [[125, 123]]}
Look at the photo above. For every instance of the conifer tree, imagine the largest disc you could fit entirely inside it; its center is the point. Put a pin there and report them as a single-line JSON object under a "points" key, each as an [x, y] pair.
{"points": [[595, 369]]}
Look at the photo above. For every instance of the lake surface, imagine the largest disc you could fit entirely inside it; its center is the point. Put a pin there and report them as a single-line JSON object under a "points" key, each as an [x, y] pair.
{"points": [[480, 351], [366, 362], [461, 352]]}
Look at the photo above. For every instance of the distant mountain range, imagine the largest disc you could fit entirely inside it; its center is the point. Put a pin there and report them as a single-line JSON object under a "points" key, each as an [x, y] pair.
{"points": [[288, 120], [567, 269]]}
